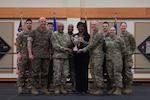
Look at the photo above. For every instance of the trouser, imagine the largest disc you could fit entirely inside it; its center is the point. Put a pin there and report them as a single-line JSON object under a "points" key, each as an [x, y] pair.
{"points": [[61, 69], [97, 71], [40, 67]]}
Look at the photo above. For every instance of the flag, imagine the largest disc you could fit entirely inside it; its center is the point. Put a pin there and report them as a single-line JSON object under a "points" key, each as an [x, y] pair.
{"points": [[86, 24], [20, 25], [55, 25], [115, 25], [86, 34]]}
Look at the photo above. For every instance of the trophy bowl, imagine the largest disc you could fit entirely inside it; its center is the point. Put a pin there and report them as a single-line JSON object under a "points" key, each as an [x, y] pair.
{"points": [[76, 42]]}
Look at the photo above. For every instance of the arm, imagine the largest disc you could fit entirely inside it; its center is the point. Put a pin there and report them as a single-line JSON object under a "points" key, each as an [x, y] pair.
{"points": [[30, 50], [57, 44], [93, 43], [132, 43], [18, 47], [123, 47], [29, 44], [50, 50]]}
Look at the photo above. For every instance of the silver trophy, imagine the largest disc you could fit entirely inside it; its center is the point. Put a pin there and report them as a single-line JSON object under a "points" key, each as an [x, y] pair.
{"points": [[76, 42]]}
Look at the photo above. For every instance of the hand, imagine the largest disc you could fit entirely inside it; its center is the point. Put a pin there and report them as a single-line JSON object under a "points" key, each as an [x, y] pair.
{"points": [[31, 57], [68, 49], [81, 39], [72, 39], [79, 51], [19, 56], [51, 57]]}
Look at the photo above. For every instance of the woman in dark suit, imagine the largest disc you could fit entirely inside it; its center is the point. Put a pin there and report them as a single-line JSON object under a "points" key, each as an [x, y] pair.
{"points": [[81, 60]]}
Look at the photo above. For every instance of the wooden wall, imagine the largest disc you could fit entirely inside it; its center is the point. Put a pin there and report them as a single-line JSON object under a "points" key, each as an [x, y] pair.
{"points": [[75, 12]]}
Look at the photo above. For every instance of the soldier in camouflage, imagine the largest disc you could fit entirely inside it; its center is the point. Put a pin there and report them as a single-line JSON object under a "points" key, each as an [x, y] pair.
{"points": [[60, 42], [115, 50], [23, 63], [127, 61], [106, 34], [39, 53], [95, 47]]}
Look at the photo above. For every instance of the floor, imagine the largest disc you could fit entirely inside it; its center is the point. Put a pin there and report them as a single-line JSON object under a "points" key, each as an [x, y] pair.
{"points": [[8, 91]]}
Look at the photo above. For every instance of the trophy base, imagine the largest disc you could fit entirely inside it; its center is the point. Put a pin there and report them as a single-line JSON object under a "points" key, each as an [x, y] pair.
{"points": [[74, 51]]}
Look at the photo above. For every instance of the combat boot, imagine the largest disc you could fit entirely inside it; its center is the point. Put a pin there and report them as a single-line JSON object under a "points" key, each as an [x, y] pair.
{"points": [[57, 89], [45, 90], [98, 91], [62, 89], [111, 91], [117, 91], [128, 89], [34, 91], [20, 90]]}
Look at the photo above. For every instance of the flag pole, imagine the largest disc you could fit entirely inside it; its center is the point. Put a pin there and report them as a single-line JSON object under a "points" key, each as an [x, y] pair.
{"points": [[54, 14], [85, 17], [115, 23], [19, 30], [115, 16], [21, 19]]}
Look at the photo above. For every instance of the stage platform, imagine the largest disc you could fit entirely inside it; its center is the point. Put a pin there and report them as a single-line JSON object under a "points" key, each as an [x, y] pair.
{"points": [[8, 91]]}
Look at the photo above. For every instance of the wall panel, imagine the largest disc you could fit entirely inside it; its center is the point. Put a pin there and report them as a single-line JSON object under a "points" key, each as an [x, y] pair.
{"points": [[75, 12]]}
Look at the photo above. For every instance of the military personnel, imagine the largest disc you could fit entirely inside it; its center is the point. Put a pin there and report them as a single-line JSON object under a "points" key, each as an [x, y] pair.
{"points": [[106, 34], [50, 27], [116, 49], [71, 60], [39, 53], [60, 42], [22, 56], [95, 47], [127, 61]]}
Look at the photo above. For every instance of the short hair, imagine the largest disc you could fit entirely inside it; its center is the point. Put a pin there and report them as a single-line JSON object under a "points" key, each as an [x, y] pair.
{"points": [[50, 23], [28, 19], [80, 23], [106, 23], [123, 22]]}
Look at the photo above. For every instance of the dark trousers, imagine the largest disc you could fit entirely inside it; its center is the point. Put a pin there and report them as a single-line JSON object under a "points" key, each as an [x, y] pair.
{"points": [[106, 74], [50, 74], [81, 73]]}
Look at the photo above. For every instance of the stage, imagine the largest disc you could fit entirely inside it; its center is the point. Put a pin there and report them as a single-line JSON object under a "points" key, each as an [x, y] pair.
{"points": [[8, 91]]}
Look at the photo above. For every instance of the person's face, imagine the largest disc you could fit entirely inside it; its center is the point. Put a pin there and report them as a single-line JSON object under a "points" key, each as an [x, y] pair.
{"points": [[105, 27], [123, 27], [112, 31], [60, 27], [50, 27], [42, 22], [94, 26], [81, 28], [29, 25], [70, 29]]}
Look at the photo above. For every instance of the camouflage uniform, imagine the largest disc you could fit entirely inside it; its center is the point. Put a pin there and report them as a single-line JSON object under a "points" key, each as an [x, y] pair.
{"points": [[71, 65], [24, 64], [105, 73], [95, 47], [128, 61], [116, 49], [41, 51], [60, 41]]}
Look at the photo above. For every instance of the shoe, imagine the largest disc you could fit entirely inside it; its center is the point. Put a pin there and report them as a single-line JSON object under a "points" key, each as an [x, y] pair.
{"points": [[20, 90]]}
